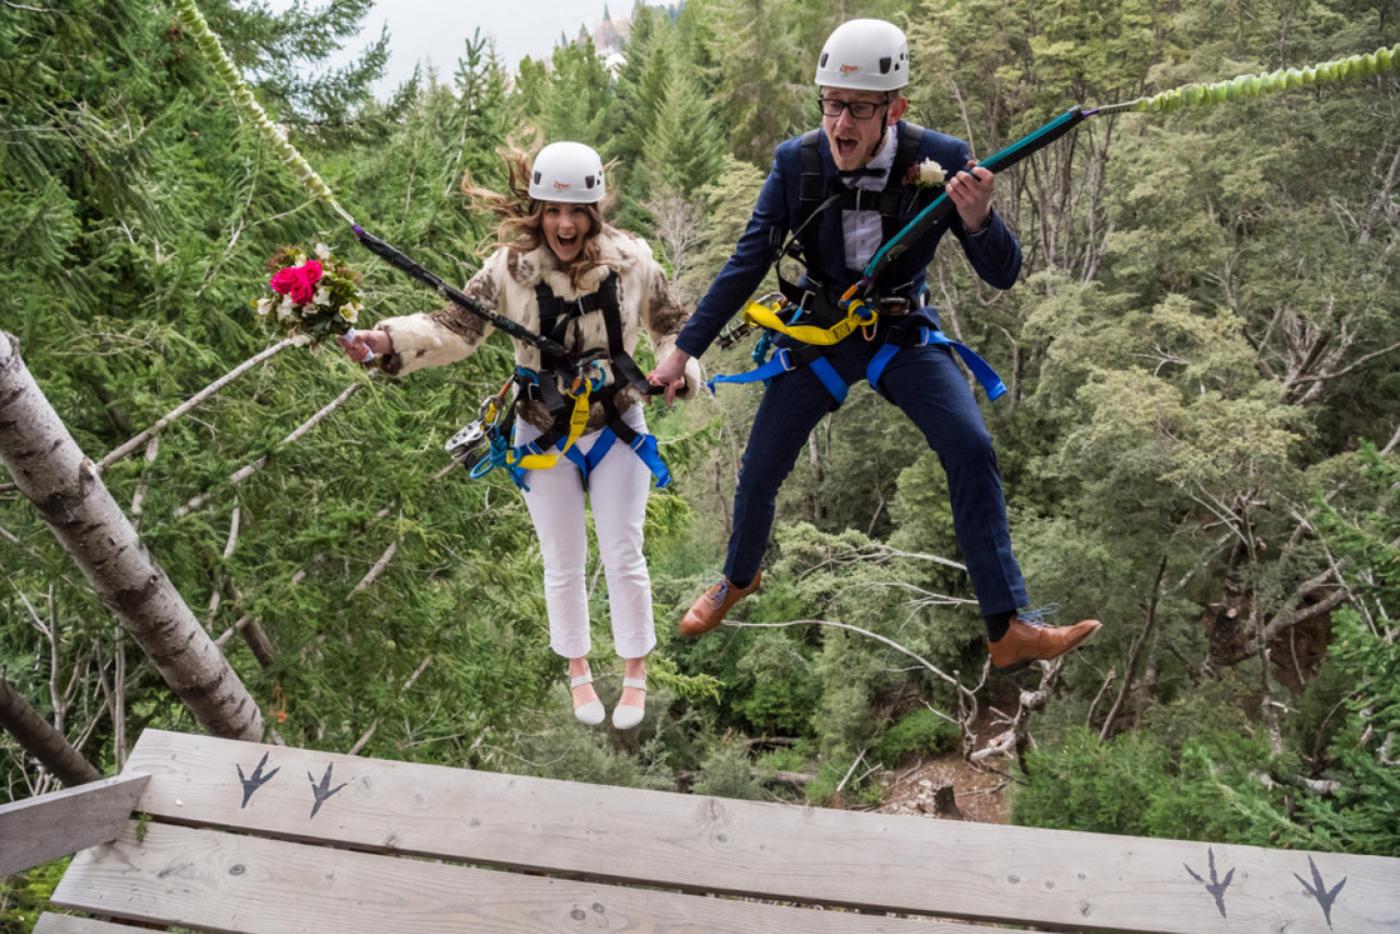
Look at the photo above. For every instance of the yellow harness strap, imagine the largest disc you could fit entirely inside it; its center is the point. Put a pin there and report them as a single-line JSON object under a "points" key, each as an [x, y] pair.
{"points": [[578, 420], [766, 316]]}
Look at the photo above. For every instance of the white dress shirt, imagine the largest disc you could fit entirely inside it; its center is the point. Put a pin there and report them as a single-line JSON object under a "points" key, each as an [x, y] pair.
{"points": [[862, 229]]}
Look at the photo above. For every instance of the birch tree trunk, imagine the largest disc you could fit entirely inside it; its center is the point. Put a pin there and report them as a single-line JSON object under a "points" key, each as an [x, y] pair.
{"points": [[51, 471], [41, 740]]}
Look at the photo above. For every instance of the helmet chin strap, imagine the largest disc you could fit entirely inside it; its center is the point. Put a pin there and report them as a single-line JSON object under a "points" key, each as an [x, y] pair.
{"points": [[880, 141]]}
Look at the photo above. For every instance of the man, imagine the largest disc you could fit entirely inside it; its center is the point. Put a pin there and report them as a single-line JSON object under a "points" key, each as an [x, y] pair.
{"points": [[843, 191]]}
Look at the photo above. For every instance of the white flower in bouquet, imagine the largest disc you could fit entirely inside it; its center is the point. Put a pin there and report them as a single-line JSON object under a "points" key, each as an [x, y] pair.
{"points": [[286, 309], [322, 297], [264, 307], [323, 252], [350, 311]]}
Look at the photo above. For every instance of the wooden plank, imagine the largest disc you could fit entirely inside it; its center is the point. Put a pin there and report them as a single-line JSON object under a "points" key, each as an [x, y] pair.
{"points": [[230, 882], [948, 868], [50, 923], [36, 830]]}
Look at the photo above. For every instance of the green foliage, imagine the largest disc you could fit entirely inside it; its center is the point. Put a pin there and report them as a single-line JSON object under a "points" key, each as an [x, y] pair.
{"points": [[920, 732], [827, 787], [25, 896], [1363, 816], [1086, 784], [783, 687], [727, 773]]}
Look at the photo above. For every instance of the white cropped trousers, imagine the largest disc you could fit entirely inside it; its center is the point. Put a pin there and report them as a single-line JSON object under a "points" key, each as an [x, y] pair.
{"points": [[618, 488]]}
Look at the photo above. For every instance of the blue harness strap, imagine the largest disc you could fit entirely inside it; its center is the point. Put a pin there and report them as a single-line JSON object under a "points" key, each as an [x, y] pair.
{"points": [[778, 364], [496, 457], [830, 378], [644, 446], [980, 368], [783, 361]]}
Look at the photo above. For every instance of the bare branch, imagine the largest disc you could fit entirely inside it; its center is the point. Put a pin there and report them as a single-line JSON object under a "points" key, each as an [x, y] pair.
{"points": [[197, 399], [378, 568], [247, 470], [365, 737], [41, 740], [856, 629]]}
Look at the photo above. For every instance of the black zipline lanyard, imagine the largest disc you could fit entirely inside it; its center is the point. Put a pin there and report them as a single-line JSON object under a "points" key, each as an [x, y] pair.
{"points": [[401, 261]]}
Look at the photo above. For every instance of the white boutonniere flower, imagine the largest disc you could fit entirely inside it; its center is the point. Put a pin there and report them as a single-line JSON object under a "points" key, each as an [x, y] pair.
{"points": [[930, 174]]}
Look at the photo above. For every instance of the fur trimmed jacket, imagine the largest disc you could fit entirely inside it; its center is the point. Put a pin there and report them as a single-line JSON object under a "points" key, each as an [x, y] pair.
{"points": [[506, 282]]}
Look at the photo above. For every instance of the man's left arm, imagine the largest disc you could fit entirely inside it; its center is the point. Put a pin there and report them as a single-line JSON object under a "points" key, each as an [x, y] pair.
{"points": [[990, 245]]}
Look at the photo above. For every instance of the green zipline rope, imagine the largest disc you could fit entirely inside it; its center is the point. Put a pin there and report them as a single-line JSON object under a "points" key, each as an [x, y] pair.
{"points": [[214, 50], [1284, 79]]}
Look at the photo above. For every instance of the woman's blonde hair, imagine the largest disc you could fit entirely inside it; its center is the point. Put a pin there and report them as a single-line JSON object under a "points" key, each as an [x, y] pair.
{"points": [[521, 226]]}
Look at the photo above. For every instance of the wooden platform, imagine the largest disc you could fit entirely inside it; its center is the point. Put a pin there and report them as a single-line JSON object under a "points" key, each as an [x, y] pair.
{"points": [[243, 837]]}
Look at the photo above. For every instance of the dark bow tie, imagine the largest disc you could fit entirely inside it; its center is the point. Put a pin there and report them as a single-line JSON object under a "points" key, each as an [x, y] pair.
{"points": [[857, 173]]}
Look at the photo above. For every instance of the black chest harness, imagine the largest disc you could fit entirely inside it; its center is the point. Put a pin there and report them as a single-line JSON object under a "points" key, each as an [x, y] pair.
{"points": [[896, 202]]}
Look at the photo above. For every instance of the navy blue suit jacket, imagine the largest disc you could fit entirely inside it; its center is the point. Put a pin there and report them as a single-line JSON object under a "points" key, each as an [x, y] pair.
{"points": [[994, 253]]}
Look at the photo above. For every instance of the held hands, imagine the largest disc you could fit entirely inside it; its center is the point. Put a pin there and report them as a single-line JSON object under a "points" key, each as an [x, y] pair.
{"points": [[360, 347], [971, 193], [670, 373]]}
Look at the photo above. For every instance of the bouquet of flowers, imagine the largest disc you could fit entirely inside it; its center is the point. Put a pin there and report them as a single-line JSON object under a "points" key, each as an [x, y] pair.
{"points": [[316, 295]]}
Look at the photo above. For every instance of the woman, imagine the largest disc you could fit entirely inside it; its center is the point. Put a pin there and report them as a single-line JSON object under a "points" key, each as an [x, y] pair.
{"points": [[562, 270]]}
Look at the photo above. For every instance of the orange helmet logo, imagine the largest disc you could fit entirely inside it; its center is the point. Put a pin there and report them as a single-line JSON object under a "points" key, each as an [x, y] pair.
{"points": [[849, 69], [560, 186]]}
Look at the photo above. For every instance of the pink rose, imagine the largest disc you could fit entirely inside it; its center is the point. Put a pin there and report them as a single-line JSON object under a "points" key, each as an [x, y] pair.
{"points": [[298, 282]]}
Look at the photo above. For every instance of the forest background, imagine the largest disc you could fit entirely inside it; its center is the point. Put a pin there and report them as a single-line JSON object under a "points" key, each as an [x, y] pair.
{"points": [[1198, 445]]}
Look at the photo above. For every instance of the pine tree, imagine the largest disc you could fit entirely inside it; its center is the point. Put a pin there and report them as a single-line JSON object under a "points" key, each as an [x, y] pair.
{"points": [[762, 98], [687, 147], [576, 105]]}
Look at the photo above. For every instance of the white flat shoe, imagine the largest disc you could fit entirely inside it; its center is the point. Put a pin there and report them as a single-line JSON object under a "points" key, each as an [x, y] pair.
{"points": [[625, 716], [591, 713]]}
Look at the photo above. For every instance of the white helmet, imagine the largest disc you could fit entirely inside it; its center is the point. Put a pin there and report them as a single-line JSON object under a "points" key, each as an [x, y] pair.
{"points": [[865, 55], [570, 172]]}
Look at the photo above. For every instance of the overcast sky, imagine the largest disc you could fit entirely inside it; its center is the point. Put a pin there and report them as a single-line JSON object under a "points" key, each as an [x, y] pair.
{"points": [[436, 31]]}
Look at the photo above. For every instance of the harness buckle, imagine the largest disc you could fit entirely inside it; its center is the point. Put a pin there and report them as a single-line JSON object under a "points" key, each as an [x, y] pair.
{"points": [[584, 382], [784, 356]]}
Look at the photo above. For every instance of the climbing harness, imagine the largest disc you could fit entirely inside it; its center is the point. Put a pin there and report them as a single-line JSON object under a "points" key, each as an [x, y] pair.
{"points": [[811, 318], [483, 445]]}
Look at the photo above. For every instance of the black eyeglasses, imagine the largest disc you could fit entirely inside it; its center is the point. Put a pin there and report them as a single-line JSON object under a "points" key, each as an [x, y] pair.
{"points": [[860, 110]]}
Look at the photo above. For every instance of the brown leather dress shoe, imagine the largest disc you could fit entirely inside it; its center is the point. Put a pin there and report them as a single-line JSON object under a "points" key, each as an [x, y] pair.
{"points": [[709, 608], [1027, 641]]}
